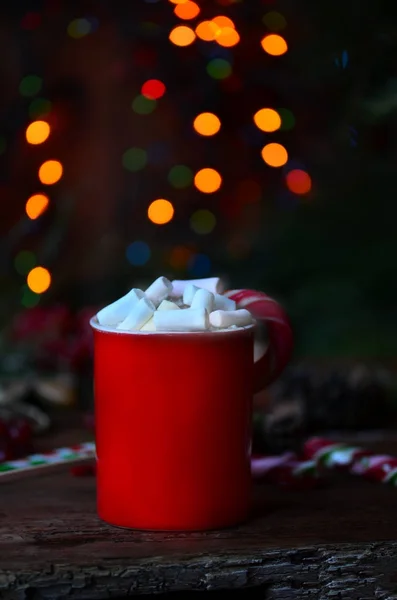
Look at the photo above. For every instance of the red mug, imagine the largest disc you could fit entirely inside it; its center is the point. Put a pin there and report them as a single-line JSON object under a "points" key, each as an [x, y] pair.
{"points": [[173, 420]]}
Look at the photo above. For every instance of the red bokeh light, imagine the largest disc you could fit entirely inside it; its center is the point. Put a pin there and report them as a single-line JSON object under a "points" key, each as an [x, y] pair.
{"points": [[153, 89]]}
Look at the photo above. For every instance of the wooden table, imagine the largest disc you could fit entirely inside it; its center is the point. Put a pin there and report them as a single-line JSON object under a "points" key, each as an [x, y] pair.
{"points": [[336, 542]]}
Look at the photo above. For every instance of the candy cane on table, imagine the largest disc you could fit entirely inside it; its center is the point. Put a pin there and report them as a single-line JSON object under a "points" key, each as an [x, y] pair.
{"points": [[279, 350]]}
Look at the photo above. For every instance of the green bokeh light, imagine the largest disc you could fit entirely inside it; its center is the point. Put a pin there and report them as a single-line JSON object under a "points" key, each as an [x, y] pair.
{"points": [[29, 298], [274, 21], [202, 221], [30, 85], [134, 159], [218, 68], [287, 119], [39, 107], [143, 106], [78, 28], [24, 262], [180, 176]]}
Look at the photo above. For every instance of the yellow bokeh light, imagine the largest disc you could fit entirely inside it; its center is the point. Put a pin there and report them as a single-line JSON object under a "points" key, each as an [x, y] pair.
{"points": [[207, 181], [207, 124], [274, 44], [275, 155], [37, 132], [50, 172], [228, 37], [187, 10], [208, 31], [160, 211], [222, 21], [39, 280], [267, 119], [36, 205], [182, 36]]}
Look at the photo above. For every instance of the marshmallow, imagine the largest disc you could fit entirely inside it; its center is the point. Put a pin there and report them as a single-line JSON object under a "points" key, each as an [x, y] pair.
{"points": [[203, 299], [149, 326], [212, 284], [188, 293], [158, 290], [181, 320], [140, 314], [167, 305], [223, 319], [118, 310], [224, 303]]}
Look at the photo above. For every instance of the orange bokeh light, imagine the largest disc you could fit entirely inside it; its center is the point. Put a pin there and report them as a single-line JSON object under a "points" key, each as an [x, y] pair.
{"points": [[228, 37], [179, 257], [39, 280], [50, 172], [267, 120], [182, 36], [208, 31], [178, 1], [187, 10], [207, 124], [274, 44], [207, 181], [298, 182], [223, 21], [36, 205], [275, 155], [37, 132], [160, 211]]}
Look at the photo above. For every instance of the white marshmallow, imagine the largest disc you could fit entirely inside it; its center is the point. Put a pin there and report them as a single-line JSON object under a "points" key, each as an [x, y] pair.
{"points": [[223, 319], [149, 326], [212, 284], [118, 310], [188, 293], [158, 290], [140, 314], [203, 299], [188, 319], [167, 305], [224, 303]]}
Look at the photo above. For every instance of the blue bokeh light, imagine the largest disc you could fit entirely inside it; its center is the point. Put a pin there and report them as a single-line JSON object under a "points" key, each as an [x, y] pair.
{"points": [[138, 253], [199, 265]]}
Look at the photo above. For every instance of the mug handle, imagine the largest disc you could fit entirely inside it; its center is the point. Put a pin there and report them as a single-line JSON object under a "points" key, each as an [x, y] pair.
{"points": [[279, 350]]}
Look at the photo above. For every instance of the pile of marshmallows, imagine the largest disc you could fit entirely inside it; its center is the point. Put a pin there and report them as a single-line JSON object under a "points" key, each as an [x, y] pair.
{"points": [[193, 305]]}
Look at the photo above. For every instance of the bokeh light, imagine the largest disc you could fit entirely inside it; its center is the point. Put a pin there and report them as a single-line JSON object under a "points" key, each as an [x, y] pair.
{"points": [[267, 120], [274, 21], [202, 221], [160, 211], [143, 106], [180, 176], [274, 44], [153, 89], [207, 124], [207, 181], [24, 262], [228, 37], [138, 253], [223, 21], [187, 10], [134, 159], [179, 257], [298, 182], [29, 298], [79, 28], [30, 85], [37, 132], [219, 68], [178, 1], [39, 280], [275, 155], [182, 35], [208, 31], [199, 265], [36, 205], [39, 108], [50, 172], [287, 119], [31, 21]]}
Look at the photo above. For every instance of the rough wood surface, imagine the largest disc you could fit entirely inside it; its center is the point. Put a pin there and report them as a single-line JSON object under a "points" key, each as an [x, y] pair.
{"points": [[335, 542]]}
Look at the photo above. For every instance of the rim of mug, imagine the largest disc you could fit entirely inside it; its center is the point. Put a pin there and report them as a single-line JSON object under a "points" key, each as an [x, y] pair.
{"points": [[107, 329]]}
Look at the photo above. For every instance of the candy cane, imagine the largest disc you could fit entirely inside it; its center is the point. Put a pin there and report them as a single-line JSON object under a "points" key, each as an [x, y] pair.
{"points": [[279, 350]]}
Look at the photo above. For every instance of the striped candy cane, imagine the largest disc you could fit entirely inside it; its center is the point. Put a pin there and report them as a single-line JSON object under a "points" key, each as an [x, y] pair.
{"points": [[279, 350]]}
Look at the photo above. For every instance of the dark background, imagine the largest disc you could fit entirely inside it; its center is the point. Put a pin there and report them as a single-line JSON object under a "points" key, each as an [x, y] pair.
{"points": [[329, 256]]}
